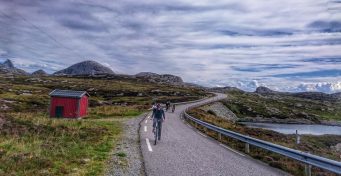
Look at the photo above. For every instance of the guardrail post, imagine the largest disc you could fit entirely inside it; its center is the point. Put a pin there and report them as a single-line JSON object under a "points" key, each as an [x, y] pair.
{"points": [[247, 147], [219, 137], [298, 138], [307, 170]]}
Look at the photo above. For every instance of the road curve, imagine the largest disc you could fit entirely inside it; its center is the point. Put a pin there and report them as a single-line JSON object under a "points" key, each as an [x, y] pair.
{"points": [[184, 151]]}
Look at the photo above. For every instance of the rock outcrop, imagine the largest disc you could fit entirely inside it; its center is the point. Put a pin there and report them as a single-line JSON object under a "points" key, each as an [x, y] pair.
{"points": [[8, 68], [224, 89], [264, 90], [39, 73], [307, 95], [86, 68], [220, 110], [8, 64], [165, 78]]}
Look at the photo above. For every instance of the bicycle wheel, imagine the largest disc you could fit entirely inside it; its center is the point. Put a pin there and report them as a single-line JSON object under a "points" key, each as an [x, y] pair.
{"points": [[156, 133]]}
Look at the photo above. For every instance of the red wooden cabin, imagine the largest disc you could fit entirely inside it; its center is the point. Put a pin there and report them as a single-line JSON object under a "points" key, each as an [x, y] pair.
{"points": [[68, 103]]}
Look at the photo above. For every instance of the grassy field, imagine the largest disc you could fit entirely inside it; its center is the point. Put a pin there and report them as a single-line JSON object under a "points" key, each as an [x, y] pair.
{"points": [[29, 93], [115, 112], [31, 143], [34, 144], [282, 107], [319, 145]]}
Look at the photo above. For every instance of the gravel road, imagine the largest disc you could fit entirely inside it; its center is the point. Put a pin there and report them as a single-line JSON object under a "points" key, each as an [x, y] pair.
{"points": [[184, 151], [132, 163]]}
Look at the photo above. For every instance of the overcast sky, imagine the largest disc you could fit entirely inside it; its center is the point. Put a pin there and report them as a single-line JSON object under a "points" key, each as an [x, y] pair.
{"points": [[292, 45]]}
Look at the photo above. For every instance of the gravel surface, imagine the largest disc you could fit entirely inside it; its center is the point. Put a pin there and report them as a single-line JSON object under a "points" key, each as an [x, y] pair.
{"points": [[184, 151], [129, 145]]}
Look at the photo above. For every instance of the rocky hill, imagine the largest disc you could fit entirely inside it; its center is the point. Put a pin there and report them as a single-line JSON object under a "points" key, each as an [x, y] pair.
{"points": [[156, 78], [307, 107], [224, 89], [8, 68], [266, 105], [265, 90], [96, 70], [85, 68], [319, 96], [193, 85], [39, 73]]}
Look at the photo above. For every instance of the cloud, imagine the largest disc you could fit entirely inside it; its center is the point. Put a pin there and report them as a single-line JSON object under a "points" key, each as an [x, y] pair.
{"points": [[326, 26], [327, 60], [319, 73], [31, 65], [218, 43], [248, 85], [262, 67], [319, 87], [83, 25]]}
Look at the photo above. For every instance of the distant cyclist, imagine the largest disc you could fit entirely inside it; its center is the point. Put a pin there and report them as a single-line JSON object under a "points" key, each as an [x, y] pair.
{"points": [[167, 105], [173, 107], [154, 107], [158, 117]]}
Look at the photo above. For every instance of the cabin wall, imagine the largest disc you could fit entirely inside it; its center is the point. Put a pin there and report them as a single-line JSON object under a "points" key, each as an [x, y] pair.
{"points": [[69, 104], [83, 109]]}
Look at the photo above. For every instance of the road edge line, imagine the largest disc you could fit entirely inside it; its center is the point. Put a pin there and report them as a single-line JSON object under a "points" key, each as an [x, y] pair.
{"points": [[225, 146], [148, 145]]}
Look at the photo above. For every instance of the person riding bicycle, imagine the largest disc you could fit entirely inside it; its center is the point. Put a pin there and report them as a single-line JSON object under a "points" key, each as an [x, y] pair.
{"points": [[154, 106], [158, 117], [173, 108], [167, 105]]}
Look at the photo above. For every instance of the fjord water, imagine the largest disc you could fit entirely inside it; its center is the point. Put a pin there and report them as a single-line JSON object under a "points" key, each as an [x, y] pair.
{"points": [[302, 128]]}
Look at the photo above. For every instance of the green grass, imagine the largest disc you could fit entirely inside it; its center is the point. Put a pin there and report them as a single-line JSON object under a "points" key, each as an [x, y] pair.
{"points": [[115, 111], [33, 144], [121, 154]]}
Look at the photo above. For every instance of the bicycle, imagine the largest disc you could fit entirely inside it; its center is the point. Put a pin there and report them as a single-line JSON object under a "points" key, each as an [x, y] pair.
{"points": [[157, 131]]}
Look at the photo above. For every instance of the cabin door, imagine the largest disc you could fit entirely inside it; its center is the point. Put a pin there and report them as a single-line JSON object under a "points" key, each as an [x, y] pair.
{"points": [[59, 111]]}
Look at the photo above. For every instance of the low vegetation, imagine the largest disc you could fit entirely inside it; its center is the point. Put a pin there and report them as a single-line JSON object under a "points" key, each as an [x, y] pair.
{"points": [[115, 111], [281, 108], [23, 93], [31, 143]]}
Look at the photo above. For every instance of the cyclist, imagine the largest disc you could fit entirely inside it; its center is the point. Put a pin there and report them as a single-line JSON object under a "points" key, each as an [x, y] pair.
{"points": [[167, 105], [158, 117], [154, 106], [173, 108]]}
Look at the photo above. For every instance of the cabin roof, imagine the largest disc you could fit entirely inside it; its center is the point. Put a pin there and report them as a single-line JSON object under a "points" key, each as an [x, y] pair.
{"points": [[68, 93]]}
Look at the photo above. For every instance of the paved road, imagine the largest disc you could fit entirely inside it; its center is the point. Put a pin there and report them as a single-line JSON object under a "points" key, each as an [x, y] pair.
{"points": [[184, 151]]}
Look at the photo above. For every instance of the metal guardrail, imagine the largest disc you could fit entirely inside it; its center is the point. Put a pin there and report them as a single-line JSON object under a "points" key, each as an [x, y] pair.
{"points": [[308, 159]]}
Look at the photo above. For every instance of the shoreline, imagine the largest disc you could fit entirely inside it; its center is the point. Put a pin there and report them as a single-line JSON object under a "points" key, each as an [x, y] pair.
{"points": [[289, 121]]}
